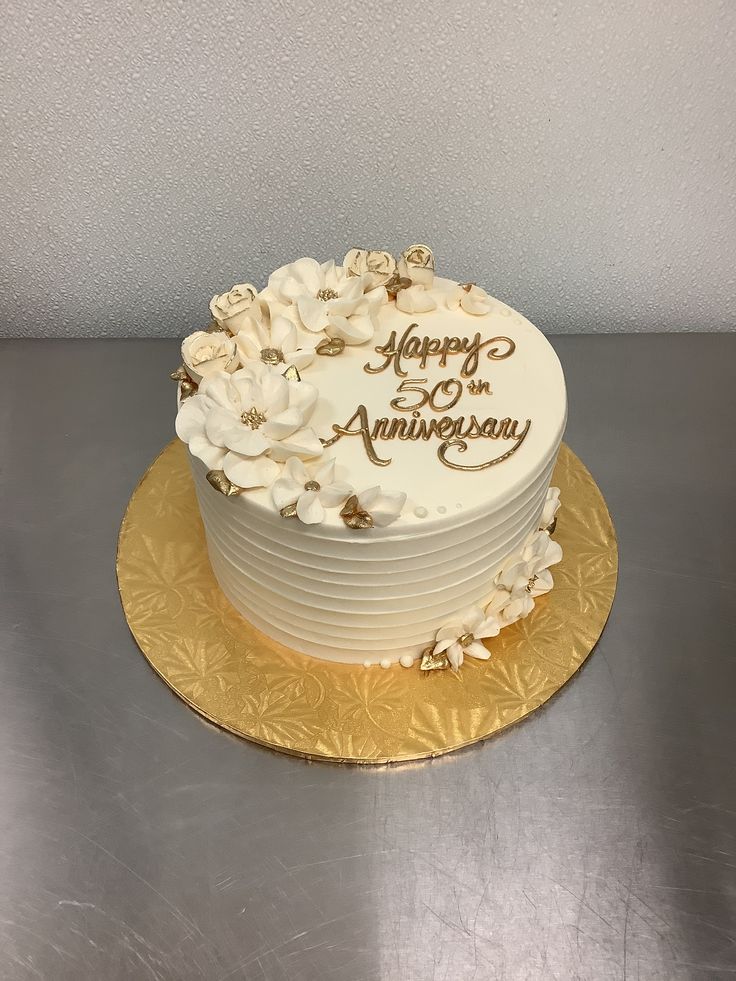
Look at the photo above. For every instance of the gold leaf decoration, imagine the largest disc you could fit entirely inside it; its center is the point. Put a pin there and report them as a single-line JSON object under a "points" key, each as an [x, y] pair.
{"points": [[354, 516], [550, 529], [220, 482], [186, 389], [289, 511], [433, 662], [395, 284], [180, 374], [292, 374], [331, 347]]}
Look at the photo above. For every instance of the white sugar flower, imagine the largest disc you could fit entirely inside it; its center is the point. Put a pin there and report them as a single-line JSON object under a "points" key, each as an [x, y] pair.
{"points": [[305, 492], [204, 352], [547, 518], [471, 298], [523, 577], [237, 308], [464, 637], [327, 300], [243, 423], [415, 299], [372, 508], [275, 344]]}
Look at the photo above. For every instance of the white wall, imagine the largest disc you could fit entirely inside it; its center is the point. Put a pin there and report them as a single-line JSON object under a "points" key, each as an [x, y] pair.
{"points": [[576, 158]]}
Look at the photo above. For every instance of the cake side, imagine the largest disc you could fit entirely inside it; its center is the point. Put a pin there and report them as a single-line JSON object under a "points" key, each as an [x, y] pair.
{"points": [[328, 381]]}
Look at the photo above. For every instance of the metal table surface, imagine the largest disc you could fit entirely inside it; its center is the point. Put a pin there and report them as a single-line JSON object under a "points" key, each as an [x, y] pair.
{"points": [[593, 841]]}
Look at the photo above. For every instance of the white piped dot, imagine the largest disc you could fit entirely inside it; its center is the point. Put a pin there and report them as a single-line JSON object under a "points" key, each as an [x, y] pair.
{"points": [[406, 660], [420, 512], [366, 664], [385, 663], [442, 509]]}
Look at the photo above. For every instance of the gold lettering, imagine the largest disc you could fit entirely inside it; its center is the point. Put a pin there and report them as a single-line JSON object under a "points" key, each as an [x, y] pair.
{"points": [[361, 415]]}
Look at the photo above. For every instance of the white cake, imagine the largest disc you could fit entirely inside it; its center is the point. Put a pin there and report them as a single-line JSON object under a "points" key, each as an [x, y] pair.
{"points": [[372, 448]]}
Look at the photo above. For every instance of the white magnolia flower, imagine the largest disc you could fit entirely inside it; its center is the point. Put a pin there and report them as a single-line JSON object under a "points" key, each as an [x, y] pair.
{"points": [[550, 509], [471, 298], [243, 423], [374, 266], [415, 299], [275, 344], [309, 489], [417, 264], [464, 636], [328, 301], [204, 352], [236, 309], [523, 577]]}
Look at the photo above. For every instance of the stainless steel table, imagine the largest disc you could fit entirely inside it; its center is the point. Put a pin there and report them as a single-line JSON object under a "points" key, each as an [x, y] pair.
{"points": [[594, 841]]}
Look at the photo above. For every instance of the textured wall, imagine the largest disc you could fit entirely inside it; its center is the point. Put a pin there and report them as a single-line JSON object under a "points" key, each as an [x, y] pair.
{"points": [[577, 158]]}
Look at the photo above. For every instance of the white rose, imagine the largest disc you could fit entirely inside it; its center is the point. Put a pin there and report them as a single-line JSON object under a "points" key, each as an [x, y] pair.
{"points": [[203, 352], [237, 309]]}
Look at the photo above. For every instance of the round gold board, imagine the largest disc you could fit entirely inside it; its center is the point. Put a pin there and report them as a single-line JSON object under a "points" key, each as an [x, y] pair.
{"points": [[238, 678]]}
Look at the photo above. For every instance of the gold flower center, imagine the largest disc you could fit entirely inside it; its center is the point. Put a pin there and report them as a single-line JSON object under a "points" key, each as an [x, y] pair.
{"points": [[466, 640], [530, 584], [271, 355], [327, 294], [253, 418], [312, 485]]}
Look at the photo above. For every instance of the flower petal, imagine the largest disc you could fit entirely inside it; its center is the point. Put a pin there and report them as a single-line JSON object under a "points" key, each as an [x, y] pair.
{"points": [[312, 313], [259, 472], [211, 456], [284, 424], [335, 494], [303, 396], [303, 443], [190, 418], [455, 655], [285, 491], [478, 651], [218, 424], [247, 442], [309, 508]]}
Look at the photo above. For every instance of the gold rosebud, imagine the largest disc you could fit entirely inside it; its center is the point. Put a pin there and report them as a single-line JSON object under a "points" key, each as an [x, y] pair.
{"points": [[377, 267], [354, 516], [417, 264]]}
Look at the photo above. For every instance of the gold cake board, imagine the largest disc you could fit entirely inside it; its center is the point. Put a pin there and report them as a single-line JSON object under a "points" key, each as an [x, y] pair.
{"points": [[238, 678]]}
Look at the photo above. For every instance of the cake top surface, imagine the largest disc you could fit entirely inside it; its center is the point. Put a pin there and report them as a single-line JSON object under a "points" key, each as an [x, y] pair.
{"points": [[370, 394]]}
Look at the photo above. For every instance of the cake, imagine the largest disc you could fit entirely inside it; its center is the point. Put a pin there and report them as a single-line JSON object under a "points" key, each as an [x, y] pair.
{"points": [[372, 447]]}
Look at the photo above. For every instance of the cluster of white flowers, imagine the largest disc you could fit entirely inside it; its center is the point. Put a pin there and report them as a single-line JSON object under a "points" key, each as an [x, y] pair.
{"points": [[247, 412], [523, 577]]}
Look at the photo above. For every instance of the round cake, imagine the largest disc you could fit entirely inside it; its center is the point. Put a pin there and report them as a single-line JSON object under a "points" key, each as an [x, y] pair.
{"points": [[372, 448]]}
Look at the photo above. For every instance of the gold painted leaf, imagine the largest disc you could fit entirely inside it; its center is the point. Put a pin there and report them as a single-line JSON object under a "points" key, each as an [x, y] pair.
{"points": [[331, 347], [220, 482]]}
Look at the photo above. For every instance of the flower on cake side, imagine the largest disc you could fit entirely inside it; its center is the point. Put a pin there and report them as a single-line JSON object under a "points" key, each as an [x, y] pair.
{"points": [[523, 577], [326, 301], [304, 491], [245, 423], [372, 508], [460, 638]]}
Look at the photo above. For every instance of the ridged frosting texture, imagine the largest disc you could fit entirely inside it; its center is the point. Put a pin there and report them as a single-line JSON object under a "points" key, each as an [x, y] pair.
{"points": [[383, 441]]}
